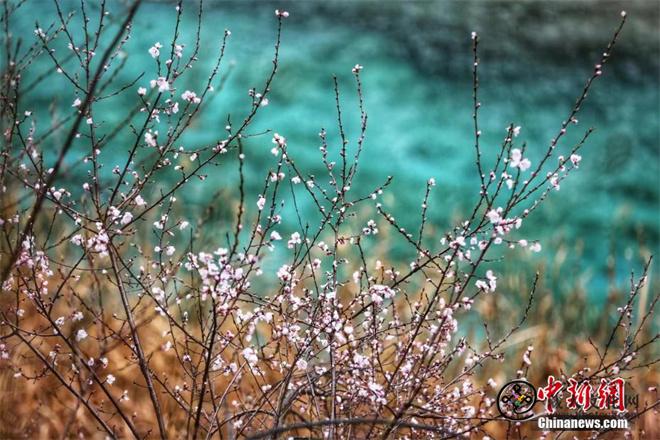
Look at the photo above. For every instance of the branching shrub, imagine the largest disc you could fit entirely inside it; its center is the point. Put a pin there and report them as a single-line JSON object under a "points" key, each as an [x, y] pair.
{"points": [[126, 313]]}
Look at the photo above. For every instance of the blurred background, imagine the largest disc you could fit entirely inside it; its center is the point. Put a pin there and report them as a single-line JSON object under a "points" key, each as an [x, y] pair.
{"points": [[535, 58], [417, 58]]}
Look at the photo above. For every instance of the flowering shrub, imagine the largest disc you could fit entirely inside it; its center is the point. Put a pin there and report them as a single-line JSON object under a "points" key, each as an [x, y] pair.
{"points": [[112, 293]]}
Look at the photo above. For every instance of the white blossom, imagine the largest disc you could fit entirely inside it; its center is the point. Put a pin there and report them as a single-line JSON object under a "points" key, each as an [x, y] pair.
{"points": [[81, 334]]}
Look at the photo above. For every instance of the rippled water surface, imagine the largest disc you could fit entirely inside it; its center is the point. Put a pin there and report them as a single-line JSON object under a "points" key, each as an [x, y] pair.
{"points": [[416, 78]]}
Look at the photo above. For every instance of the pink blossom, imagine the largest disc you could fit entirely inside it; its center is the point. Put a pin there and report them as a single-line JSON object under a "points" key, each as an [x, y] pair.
{"points": [[554, 181], [154, 50], [294, 240], [280, 144], [517, 161], [488, 285], [458, 242], [150, 138], [301, 364], [284, 273], [575, 159], [190, 97], [250, 356], [261, 202], [161, 82], [494, 215], [379, 292]]}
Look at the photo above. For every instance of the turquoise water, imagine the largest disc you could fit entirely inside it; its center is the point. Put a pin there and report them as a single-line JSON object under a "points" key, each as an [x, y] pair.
{"points": [[417, 87]]}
